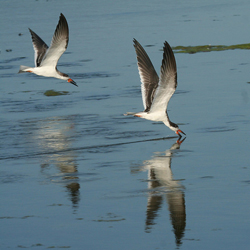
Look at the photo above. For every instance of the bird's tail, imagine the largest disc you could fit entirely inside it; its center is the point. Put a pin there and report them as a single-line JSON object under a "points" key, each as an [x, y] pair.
{"points": [[23, 69], [129, 113]]}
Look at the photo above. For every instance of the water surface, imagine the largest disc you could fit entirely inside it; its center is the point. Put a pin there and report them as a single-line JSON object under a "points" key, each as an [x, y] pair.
{"points": [[75, 173]]}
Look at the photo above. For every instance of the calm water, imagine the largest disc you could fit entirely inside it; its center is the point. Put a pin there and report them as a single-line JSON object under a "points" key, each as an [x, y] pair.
{"points": [[75, 173]]}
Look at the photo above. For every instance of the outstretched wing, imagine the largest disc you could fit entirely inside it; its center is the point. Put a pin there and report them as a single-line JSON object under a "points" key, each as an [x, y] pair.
{"points": [[148, 76], [40, 48], [168, 81], [58, 44]]}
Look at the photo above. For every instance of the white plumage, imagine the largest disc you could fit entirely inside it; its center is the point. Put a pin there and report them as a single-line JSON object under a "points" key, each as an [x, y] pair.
{"points": [[156, 92], [46, 58]]}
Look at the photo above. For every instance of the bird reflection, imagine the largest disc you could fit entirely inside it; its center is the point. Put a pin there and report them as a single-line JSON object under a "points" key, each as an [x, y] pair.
{"points": [[54, 137], [161, 184]]}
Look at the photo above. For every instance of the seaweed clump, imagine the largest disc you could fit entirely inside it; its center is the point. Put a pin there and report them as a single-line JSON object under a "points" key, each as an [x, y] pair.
{"points": [[52, 92], [208, 48]]}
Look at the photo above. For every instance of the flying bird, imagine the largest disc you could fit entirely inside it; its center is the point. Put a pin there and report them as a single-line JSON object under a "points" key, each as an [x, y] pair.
{"points": [[46, 58], [156, 92]]}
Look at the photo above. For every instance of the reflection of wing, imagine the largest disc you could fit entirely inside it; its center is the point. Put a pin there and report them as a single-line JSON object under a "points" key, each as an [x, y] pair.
{"points": [[161, 181], [154, 205], [54, 137], [176, 206], [73, 189]]}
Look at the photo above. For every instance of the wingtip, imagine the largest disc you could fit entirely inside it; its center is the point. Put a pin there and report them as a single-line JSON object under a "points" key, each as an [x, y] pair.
{"points": [[63, 17], [62, 24], [168, 57], [135, 41], [32, 32], [167, 45]]}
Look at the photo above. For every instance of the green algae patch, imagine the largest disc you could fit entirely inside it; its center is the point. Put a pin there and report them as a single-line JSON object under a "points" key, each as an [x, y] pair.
{"points": [[208, 48], [52, 92]]}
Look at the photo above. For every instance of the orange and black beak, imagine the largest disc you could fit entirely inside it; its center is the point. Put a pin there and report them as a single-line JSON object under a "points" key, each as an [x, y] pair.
{"points": [[73, 82], [180, 131]]}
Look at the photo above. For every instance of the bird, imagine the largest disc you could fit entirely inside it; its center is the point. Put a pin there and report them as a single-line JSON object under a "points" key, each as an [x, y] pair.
{"points": [[46, 58], [156, 92]]}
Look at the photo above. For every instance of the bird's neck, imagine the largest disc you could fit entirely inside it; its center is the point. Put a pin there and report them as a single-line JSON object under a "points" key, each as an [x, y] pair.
{"points": [[61, 75], [168, 123]]}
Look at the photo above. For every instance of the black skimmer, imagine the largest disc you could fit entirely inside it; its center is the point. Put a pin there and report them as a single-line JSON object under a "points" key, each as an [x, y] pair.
{"points": [[156, 92], [46, 58]]}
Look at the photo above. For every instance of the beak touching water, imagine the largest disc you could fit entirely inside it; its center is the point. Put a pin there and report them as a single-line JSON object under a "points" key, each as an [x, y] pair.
{"points": [[180, 131], [73, 82], [179, 141]]}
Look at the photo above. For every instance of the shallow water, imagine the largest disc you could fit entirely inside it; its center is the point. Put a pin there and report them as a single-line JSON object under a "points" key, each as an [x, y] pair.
{"points": [[75, 173]]}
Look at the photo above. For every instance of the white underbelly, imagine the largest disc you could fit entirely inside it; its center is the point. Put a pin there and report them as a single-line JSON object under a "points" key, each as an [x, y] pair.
{"points": [[46, 71]]}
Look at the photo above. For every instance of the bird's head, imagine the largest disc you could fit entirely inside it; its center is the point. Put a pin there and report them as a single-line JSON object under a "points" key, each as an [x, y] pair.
{"points": [[176, 129], [65, 77]]}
